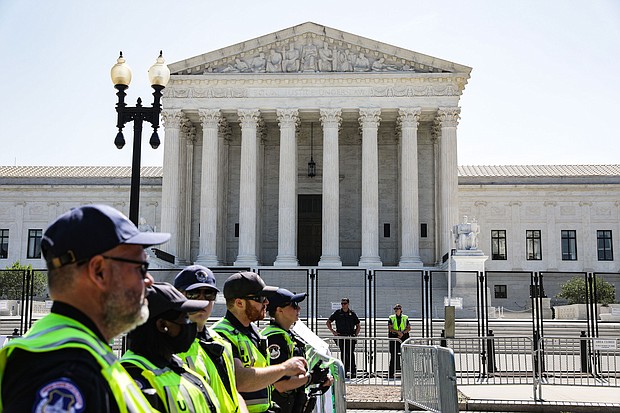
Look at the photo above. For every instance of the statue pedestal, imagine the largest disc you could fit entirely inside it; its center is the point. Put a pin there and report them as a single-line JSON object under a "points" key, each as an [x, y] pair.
{"points": [[467, 265]]}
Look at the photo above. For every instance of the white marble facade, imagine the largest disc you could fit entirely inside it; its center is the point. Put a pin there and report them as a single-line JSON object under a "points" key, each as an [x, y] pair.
{"points": [[385, 128]]}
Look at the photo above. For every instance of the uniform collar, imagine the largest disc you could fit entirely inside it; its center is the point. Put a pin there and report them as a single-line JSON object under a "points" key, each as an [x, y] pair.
{"points": [[67, 310]]}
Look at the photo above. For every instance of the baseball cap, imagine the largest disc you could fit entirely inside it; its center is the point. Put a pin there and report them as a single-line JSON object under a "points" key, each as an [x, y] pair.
{"points": [[195, 276], [163, 297], [86, 231], [246, 283], [283, 296]]}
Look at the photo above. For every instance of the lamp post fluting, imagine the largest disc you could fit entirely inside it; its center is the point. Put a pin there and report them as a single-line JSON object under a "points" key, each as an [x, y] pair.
{"points": [[159, 74]]}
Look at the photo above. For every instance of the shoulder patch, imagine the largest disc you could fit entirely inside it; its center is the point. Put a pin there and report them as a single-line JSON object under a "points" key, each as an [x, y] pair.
{"points": [[274, 351], [60, 395]]}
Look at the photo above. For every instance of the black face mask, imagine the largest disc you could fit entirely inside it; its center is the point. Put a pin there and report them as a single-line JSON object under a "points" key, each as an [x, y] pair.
{"points": [[182, 342]]}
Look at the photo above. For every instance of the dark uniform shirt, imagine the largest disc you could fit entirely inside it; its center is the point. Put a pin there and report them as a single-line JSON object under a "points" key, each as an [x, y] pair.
{"points": [[64, 378], [398, 321], [346, 322]]}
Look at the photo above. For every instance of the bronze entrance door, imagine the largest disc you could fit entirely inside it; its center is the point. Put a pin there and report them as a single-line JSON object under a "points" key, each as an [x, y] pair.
{"points": [[309, 229]]}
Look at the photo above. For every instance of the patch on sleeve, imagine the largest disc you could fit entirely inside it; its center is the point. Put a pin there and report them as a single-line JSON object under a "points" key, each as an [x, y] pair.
{"points": [[60, 395], [274, 351]]}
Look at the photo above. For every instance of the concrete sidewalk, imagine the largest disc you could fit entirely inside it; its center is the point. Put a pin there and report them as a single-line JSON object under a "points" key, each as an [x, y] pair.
{"points": [[519, 398], [511, 398]]}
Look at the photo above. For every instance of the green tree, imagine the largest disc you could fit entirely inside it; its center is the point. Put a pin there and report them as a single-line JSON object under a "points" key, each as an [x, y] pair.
{"points": [[574, 290], [12, 282]]}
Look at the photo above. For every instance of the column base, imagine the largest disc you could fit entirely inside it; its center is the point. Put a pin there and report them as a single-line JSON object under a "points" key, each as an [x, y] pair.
{"points": [[370, 262], [286, 261], [333, 261], [410, 262], [208, 261], [247, 261]]}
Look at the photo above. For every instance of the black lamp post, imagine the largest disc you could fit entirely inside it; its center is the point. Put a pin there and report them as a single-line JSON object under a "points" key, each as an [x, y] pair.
{"points": [[311, 164], [159, 74]]}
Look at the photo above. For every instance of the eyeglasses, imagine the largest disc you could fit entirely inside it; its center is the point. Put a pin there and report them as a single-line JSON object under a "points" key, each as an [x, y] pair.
{"points": [[292, 304], [397, 308], [208, 295], [258, 298], [144, 265]]}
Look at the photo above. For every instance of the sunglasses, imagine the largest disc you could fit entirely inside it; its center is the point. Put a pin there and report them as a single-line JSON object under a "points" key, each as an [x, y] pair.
{"points": [[344, 302], [397, 308], [144, 265], [208, 295], [294, 305], [258, 298]]}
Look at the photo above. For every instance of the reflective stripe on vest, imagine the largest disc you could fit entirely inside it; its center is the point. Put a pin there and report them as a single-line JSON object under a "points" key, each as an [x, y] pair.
{"points": [[198, 360], [179, 394], [56, 332], [250, 357], [403, 322]]}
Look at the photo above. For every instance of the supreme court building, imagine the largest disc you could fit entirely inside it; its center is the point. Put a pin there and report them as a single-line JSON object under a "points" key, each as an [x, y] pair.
{"points": [[243, 123]]}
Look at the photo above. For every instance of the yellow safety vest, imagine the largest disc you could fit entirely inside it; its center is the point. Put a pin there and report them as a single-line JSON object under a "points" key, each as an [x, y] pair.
{"points": [[179, 394], [56, 332], [199, 361], [403, 322], [251, 356]]}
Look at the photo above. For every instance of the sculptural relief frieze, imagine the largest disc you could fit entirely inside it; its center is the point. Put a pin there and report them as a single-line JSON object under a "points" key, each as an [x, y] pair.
{"points": [[310, 53]]}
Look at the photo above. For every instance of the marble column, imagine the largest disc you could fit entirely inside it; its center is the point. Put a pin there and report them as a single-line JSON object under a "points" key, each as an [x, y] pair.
{"points": [[222, 190], [170, 186], [409, 190], [248, 206], [330, 255], [549, 255], [369, 121], [186, 166], [209, 194], [287, 198], [448, 173]]}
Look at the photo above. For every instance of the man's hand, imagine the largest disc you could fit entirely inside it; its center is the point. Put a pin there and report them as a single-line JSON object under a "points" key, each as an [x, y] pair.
{"points": [[295, 366]]}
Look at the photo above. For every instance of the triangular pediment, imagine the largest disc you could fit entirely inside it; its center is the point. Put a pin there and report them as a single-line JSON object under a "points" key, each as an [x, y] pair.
{"points": [[312, 48]]}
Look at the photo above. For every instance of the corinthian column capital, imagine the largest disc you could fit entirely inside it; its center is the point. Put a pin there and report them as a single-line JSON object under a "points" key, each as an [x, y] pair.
{"points": [[288, 118], [172, 118], [210, 118], [369, 117], [409, 117], [449, 116], [248, 117], [331, 117]]}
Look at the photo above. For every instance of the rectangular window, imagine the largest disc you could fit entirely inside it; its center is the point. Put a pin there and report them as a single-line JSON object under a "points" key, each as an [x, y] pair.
{"points": [[386, 230], [604, 246], [4, 243], [569, 245], [424, 230], [501, 291], [498, 244], [533, 244], [34, 243]]}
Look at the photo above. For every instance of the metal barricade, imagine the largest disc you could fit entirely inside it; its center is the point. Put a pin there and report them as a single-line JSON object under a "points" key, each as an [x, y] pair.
{"points": [[429, 378], [578, 361]]}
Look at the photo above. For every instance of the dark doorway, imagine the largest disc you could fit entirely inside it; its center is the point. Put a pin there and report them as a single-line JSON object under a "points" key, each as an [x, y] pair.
{"points": [[309, 229]]}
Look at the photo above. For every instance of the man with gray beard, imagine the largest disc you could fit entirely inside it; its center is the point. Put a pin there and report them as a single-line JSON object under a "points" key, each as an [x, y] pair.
{"points": [[97, 277]]}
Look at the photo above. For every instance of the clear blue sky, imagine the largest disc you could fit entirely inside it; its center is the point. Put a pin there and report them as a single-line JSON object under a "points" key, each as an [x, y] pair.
{"points": [[544, 89]]}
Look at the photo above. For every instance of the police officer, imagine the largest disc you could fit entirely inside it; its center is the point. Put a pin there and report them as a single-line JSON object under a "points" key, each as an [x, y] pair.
{"points": [[398, 328], [210, 355], [246, 301], [152, 361], [347, 325], [289, 392], [97, 276]]}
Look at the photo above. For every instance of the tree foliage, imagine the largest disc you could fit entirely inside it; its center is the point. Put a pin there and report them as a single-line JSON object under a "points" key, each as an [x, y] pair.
{"points": [[12, 282], [574, 290]]}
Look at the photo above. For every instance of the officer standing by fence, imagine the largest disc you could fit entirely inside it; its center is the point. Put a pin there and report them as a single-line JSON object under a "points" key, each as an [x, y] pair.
{"points": [[398, 327], [347, 325]]}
